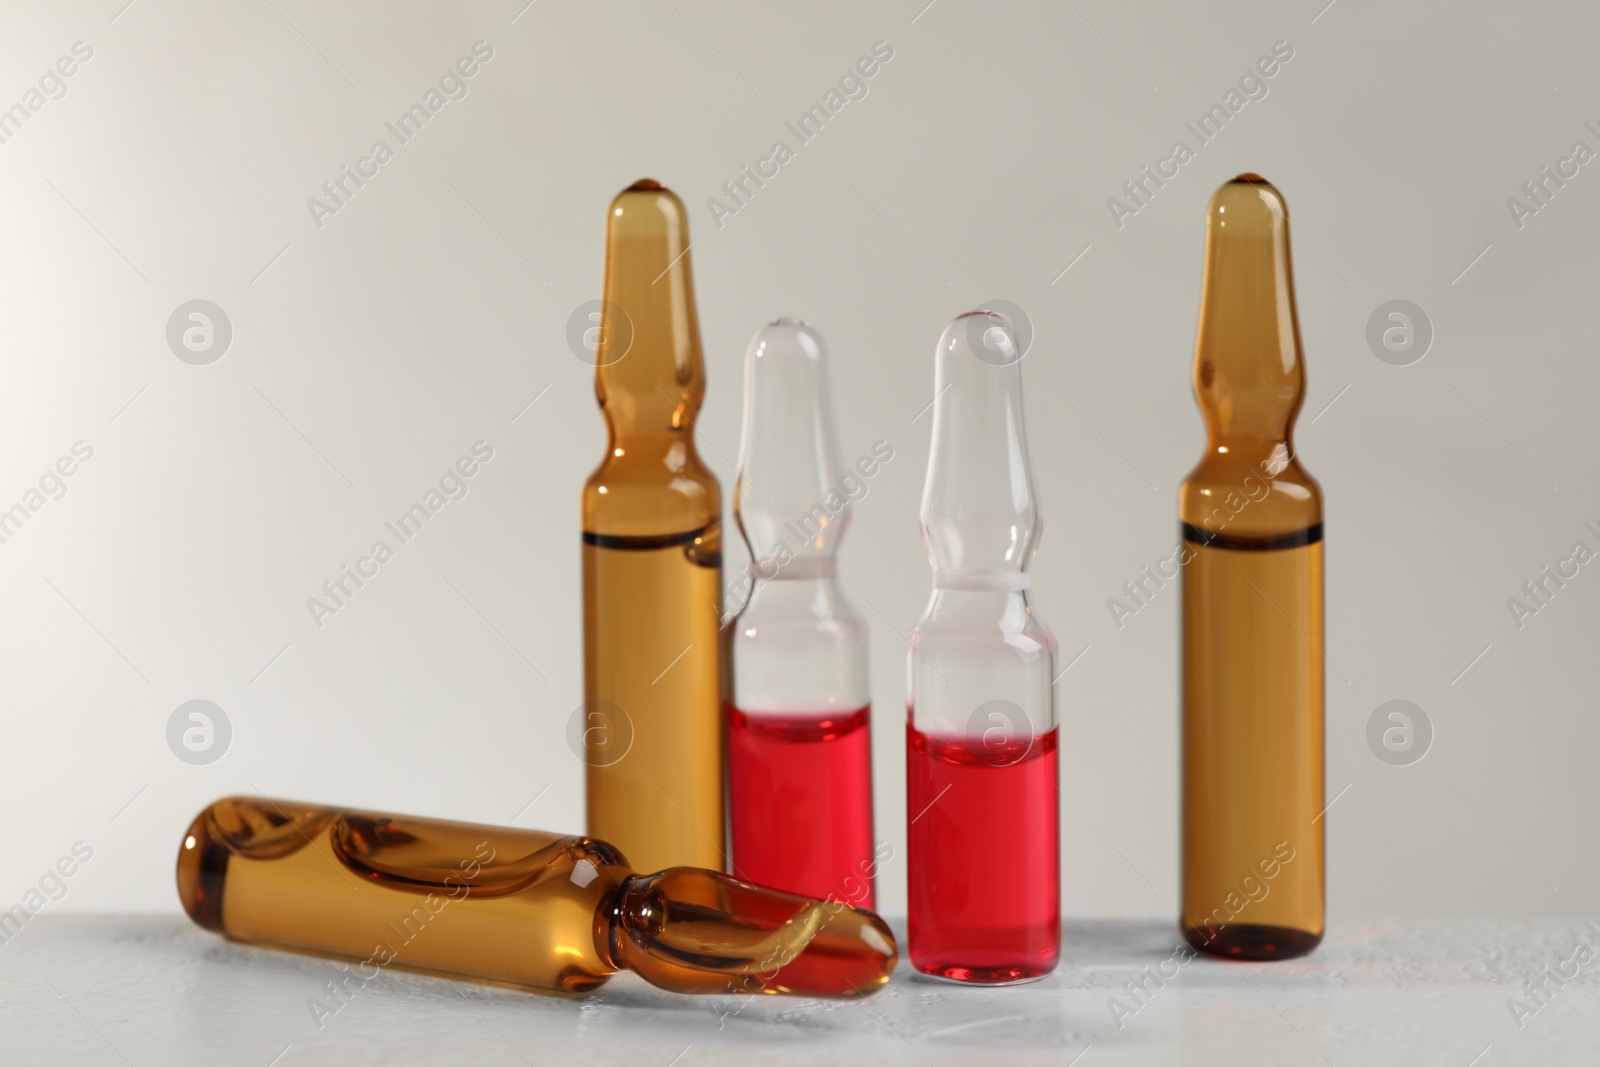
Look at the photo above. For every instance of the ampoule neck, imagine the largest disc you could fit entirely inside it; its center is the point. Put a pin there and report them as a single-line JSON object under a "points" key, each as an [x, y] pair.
{"points": [[699, 931], [793, 497], [979, 511], [673, 449], [1004, 610], [649, 370], [1249, 373], [815, 594], [1270, 452]]}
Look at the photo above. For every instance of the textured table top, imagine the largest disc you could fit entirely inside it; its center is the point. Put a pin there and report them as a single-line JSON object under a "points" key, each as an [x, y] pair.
{"points": [[93, 989]]}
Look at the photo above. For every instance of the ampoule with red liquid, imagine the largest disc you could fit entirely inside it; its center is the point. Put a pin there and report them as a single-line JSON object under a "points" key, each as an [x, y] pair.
{"points": [[799, 739], [981, 768]]}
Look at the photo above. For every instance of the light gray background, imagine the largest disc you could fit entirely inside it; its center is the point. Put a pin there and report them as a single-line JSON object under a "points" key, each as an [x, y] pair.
{"points": [[370, 353]]}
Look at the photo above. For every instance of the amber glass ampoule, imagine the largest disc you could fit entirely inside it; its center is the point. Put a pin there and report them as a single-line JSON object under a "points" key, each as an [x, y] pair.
{"points": [[499, 904], [1251, 520], [652, 562]]}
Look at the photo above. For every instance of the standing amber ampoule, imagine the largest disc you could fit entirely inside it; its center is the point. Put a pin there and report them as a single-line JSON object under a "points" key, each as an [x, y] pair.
{"points": [[1251, 521], [652, 562], [495, 903]]}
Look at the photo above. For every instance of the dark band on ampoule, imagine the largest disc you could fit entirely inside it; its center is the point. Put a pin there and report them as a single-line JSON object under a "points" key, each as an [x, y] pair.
{"points": [[645, 543], [1296, 539]]}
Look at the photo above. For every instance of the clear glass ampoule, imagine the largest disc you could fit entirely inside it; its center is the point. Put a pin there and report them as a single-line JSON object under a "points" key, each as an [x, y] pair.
{"points": [[494, 903], [982, 798], [799, 741], [1251, 520], [652, 561]]}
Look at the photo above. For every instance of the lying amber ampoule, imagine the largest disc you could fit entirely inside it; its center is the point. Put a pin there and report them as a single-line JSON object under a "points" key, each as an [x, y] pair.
{"points": [[500, 904], [1251, 520], [652, 559]]}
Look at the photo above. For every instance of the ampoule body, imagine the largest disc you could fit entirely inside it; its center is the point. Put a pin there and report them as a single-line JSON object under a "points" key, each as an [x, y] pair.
{"points": [[799, 730], [494, 903], [652, 556], [1251, 523], [982, 796]]}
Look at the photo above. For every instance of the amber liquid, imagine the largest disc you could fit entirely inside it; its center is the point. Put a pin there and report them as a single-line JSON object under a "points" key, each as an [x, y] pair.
{"points": [[651, 617], [1253, 750], [482, 902], [652, 569], [503, 905], [1252, 604]]}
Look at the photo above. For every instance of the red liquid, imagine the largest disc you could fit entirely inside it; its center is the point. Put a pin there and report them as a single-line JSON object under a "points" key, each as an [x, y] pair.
{"points": [[800, 798], [984, 856]]}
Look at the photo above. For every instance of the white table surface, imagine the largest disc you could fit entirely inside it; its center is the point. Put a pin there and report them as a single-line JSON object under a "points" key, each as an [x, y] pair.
{"points": [[111, 989]]}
